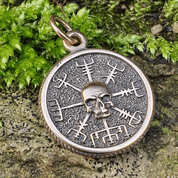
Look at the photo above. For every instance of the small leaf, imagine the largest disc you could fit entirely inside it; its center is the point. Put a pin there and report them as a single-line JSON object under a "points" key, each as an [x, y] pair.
{"points": [[14, 27], [25, 64], [153, 50], [46, 69], [9, 83], [30, 74], [2, 72], [121, 41], [37, 81], [3, 61], [11, 1], [174, 57], [15, 43], [1, 125], [165, 50], [131, 51], [50, 45], [9, 77], [12, 62], [113, 6], [22, 84], [21, 18], [28, 79], [62, 51], [133, 38], [98, 32], [39, 62], [174, 52], [82, 12], [140, 47], [26, 32], [3, 66], [70, 8], [6, 50], [29, 52], [152, 45]]}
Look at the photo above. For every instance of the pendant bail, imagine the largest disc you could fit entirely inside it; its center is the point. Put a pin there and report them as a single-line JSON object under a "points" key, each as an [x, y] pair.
{"points": [[73, 40], [53, 24]]}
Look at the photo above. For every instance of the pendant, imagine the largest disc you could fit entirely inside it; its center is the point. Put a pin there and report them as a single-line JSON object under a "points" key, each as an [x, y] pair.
{"points": [[94, 102]]}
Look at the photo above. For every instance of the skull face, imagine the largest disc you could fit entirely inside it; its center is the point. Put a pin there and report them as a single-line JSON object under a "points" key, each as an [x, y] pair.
{"points": [[97, 99]]}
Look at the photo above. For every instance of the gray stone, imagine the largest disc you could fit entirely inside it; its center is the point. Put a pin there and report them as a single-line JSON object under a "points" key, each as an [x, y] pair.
{"points": [[156, 29], [175, 27], [26, 149]]}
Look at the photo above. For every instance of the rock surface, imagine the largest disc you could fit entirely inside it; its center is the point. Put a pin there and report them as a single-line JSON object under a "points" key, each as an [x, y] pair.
{"points": [[175, 27], [156, 29], [26, 149]]}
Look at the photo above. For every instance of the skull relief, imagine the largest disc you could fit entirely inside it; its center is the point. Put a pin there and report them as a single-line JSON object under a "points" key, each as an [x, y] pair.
{"points": [[97, 99]]}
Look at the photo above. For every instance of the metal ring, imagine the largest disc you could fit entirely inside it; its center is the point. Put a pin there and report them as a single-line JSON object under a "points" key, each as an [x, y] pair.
{"points": [[65, 37], [78, 35]]}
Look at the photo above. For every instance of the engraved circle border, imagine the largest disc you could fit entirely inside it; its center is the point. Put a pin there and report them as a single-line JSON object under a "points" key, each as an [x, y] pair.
{"points": [[136, 137]]}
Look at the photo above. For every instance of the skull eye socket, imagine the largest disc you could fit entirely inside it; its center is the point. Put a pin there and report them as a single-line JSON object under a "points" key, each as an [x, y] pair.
{"points": [[106, 98], [90, 102]]}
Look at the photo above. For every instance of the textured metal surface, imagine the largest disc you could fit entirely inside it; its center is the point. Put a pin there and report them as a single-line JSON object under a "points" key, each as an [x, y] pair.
{"points": [[96, 102]]}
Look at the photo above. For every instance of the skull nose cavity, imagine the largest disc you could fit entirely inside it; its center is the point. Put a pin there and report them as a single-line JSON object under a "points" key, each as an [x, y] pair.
{"points": [[100, 104]]}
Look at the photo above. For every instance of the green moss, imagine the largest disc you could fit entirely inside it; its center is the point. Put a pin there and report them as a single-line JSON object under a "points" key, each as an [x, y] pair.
{"points": [[156, 123], [168, 49], [170, 113], [29, 47], [164, 110], [170, 10], [172, 160], [161, 115], [165, 130]]}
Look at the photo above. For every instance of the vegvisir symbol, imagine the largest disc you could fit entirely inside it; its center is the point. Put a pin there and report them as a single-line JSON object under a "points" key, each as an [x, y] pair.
{"points": [[60, 82], [128, 91], [81, 126], [87, 69], [109, 135], [98, 101], [57, 110], [112, 73], [125, 114]]}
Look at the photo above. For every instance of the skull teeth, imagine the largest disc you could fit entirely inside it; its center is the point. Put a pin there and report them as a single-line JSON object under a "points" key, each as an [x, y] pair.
{"points": [[101, 115]]}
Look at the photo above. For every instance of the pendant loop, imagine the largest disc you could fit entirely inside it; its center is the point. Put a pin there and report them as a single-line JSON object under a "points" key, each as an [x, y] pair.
{"points": [[82, 41], [65, 37]]}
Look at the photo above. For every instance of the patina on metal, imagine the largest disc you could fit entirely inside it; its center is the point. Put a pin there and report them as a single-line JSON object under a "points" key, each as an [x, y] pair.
{"points": [[95, 102]]}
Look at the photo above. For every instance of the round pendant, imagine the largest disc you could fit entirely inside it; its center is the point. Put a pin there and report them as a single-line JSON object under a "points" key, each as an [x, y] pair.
{"points": [[96, 102]]}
